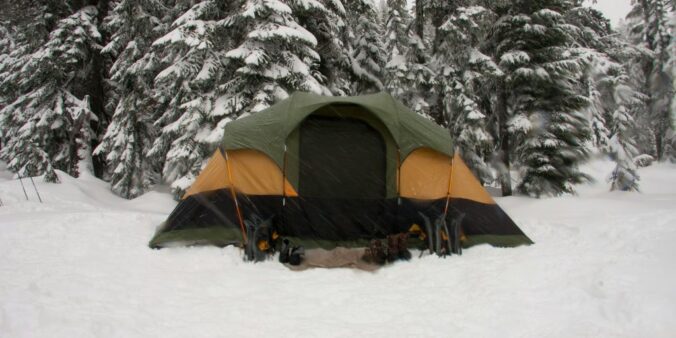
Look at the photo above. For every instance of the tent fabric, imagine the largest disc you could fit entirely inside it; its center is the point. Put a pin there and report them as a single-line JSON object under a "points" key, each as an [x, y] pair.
{"points": [[268, 130], [331, 172], [252, 172], [213, 177], [210, 218], [465, 185], [425, 175]]}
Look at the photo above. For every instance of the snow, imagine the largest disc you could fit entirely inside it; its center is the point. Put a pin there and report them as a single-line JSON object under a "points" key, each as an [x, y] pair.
{"points": [[515, 57], [79, 265], [311, 5], [272, 30]]}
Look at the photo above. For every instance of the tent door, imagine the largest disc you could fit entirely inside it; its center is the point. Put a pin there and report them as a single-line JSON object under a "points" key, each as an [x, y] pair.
{"points": [[342, 174]]}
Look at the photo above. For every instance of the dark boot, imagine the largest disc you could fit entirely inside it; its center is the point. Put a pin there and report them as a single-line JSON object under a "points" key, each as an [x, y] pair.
{"points": [[296, 255], [284, 252], [392, 248], [403, 247], [375, 253]]}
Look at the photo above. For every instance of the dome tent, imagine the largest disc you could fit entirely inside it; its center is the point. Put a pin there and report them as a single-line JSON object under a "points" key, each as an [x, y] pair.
{"points": [[334, 171]]}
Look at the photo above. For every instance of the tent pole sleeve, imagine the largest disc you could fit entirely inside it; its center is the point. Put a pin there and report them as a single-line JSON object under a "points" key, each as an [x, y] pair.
{"points": [[398, 186], [398, 173], [234, 196], [448, 193]]}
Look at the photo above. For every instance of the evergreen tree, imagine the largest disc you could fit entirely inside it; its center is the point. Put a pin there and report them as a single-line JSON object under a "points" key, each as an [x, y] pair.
{"points": [[621, 100], [542, 95], [613, 102], [134, 25], [396, 28], [49, 119], [406, 77], [612, 99], [650, 27], [671, 66], [465, 76], [326, 21], [367, 50], [7, 44], [25, 29], [276, 58], [192, 117]]}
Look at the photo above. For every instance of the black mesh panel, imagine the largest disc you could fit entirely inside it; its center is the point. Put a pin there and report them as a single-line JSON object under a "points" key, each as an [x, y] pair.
{"points": [[341, 158]]}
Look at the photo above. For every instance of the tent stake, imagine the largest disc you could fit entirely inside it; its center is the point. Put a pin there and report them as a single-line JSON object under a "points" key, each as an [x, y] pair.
{"points": [[36, 189], [22, 187]]}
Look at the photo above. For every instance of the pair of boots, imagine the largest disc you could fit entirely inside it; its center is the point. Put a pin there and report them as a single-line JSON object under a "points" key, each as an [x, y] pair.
{"points": [[397, 248], [375, 253], [291, 254]]}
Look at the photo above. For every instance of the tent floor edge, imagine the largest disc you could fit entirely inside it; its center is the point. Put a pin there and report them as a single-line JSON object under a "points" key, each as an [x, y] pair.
{"points": [[216, 235], [501, 241]]}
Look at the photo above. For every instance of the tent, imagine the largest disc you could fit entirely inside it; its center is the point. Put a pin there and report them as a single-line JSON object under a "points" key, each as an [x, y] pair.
{"points": [[334, 171]]}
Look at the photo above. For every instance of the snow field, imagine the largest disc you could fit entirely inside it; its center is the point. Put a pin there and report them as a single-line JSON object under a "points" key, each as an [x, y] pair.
{"points": [[79, 265]]}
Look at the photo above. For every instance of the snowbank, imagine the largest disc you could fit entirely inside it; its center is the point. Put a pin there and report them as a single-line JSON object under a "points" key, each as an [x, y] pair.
{"points": [[79, 265]]}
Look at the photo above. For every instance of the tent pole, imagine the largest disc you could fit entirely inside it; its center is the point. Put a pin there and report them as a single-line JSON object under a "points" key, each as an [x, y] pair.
{"points": [[398, 186], [398, 176], [448, 193], [284, 187], [234, 196], [36, 189], [22, 187]]}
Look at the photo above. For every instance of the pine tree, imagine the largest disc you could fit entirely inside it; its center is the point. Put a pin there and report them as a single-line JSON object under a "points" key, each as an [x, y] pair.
{"points": [[396, 28], [50, 117], [542, 72], [465, 77], [613, 102], [621, 100], [407, 76], [25, 29], [134, 25], [192, 118], [671, 66], [650, 27], [276, 58], [612, 99], [326, 21], [366, 49], [7, 44]]}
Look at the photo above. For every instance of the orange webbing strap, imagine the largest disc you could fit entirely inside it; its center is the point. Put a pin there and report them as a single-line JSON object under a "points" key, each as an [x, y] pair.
{"points": [[234, 195], [398, 172], [283, 214], [448, 194], [284, 178]]}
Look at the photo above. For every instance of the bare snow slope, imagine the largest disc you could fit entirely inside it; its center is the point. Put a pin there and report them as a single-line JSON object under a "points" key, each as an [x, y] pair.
{"points": [[79, 266]]}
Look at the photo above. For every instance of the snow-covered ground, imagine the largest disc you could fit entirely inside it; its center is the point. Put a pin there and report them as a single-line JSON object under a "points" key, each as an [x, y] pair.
{"points": [[79, 266]]}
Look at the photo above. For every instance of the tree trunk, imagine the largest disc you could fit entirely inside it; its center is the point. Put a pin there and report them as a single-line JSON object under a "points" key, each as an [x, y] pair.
{"points": [[502, 112], [659, 143], [420, 18], [98, 93]]}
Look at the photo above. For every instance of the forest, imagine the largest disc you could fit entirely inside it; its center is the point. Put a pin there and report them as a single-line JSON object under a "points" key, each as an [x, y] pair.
{"points": [[138, 91]]}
